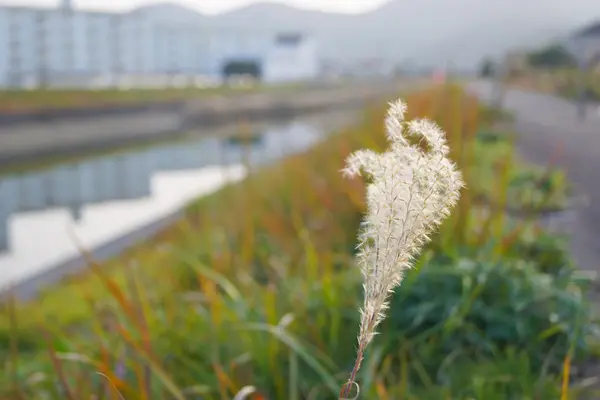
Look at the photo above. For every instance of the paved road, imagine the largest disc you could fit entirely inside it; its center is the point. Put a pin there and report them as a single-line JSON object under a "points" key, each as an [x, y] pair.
{"points": [[549, 127]]}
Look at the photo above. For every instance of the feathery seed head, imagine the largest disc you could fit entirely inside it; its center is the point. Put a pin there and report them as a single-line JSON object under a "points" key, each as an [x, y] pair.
{"points": [[411, 192]]}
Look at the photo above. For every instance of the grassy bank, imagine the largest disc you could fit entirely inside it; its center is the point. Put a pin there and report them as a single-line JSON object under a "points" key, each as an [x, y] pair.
{"points": [[257, 287], [22, 101], [562, 82]]}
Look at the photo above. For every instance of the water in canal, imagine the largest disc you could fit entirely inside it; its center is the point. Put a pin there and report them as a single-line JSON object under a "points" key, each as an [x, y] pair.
{"points": [[105, 198]]}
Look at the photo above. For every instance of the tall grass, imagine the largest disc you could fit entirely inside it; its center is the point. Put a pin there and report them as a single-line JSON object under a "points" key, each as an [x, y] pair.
{"points": [[253, 295]]}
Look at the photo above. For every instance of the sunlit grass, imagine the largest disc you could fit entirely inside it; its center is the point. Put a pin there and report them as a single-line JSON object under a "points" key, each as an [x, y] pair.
{"points": [[256, 286]]}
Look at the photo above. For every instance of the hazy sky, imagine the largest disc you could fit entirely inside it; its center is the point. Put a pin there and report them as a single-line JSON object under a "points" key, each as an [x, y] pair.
{"points": [[214, 6]]}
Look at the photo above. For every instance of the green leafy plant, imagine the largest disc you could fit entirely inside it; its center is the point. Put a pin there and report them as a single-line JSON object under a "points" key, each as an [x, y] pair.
{"points": [[253, 293]]}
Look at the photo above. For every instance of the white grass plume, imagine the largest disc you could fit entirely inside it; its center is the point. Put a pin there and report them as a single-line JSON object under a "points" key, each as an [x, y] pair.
{"points": [[411, 192]]}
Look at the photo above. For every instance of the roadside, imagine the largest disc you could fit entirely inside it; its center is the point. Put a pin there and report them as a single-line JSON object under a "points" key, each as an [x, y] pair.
{"points": [[549, 131]]}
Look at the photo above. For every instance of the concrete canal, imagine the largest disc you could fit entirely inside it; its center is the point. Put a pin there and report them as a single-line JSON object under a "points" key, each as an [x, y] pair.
{"points": [[112, 201]]}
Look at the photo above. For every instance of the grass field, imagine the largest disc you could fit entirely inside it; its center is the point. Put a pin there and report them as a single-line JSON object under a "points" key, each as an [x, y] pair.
{"points": [[255, 291]]}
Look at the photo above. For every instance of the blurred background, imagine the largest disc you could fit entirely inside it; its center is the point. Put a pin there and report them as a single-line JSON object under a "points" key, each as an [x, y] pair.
{"points": [[173, 223]]}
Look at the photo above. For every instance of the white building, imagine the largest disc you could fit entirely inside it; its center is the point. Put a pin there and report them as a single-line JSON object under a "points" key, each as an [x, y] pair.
{"points": [[70, 47], [291, 57]]}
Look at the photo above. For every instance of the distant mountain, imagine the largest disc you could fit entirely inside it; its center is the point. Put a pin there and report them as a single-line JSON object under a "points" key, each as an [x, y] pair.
{"points": [[172, 13], [427, 31]]}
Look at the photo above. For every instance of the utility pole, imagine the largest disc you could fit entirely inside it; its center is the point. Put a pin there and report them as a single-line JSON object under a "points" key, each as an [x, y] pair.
{"points": [[499, 89], [582, 66], [583, 46]]}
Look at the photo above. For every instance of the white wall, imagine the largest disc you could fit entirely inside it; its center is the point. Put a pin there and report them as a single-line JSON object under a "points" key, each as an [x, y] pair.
{"points": [[291, 62], [21, 44], [82, 46], [101, 38], [57, 27]]}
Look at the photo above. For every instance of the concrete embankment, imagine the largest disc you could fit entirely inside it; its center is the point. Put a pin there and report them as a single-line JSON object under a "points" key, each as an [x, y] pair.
{"points": [[65, 135]]}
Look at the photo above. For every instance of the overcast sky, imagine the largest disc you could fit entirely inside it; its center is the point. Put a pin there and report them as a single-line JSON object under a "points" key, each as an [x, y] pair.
{"points": [[214, 6]]}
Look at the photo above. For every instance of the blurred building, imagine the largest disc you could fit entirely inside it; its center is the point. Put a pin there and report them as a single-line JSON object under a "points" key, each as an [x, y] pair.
{"points": [[291, 57], [585, 45], [64, 46], [370, 67], [515, 62]]}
